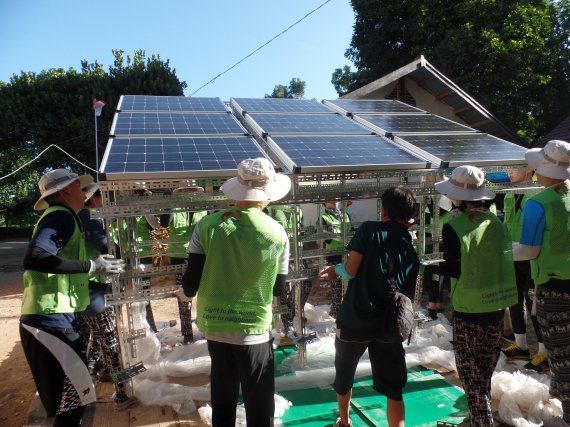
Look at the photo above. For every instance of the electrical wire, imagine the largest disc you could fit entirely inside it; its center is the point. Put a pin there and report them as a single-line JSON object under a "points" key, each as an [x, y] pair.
{"points": [[39, 155], [259, 48]]}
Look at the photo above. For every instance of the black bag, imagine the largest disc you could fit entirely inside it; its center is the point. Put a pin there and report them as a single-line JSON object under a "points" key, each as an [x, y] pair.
{"points": [[398, 318]]}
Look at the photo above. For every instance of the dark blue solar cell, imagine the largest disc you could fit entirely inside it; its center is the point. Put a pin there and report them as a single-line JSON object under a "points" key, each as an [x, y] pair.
{"points": [[283, 124], [374, 106], [170, 103], [421, 123], [281, 105]]}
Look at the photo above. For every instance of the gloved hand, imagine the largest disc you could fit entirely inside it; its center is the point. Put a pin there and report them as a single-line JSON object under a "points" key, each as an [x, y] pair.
{"points": [[179, 293], [107, 264]]}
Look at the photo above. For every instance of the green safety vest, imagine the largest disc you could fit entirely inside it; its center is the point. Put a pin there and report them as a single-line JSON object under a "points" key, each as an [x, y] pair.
{"points": [[47, 293], [553, 262], [181, 229], [487, 280], [242, 247], [335, 223], [513, 219]]}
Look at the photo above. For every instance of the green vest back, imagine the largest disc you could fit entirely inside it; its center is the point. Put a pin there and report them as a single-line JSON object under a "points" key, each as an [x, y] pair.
{"points": [[335, 223], [243, 247], [180, 232], [487, 280], [553, 262], [46, 293], [513, 219]]}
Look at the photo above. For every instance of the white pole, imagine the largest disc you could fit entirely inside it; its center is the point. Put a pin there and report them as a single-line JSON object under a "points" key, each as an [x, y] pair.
{"points": [[96, 150]]}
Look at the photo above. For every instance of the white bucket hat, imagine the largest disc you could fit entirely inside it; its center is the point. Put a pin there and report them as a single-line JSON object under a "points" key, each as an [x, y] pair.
{"points": [[551, 161], [56, 180], [466, 183], [90, 190], [257, 181], [189, 189]]}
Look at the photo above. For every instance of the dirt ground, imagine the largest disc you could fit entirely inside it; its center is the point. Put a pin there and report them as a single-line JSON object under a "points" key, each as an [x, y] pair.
{"points": [[18, 387]]}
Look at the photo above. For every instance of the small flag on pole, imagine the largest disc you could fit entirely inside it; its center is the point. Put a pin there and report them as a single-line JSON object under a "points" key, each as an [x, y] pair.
{"points": [[98, 107]]}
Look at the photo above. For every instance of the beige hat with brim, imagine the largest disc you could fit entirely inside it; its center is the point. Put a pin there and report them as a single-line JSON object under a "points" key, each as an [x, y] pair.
{"points": [[56, 180], [257, 181], [90, 190], [466, 183], [551, 161]]}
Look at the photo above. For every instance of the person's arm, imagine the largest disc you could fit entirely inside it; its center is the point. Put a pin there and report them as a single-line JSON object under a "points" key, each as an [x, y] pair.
{"points": [[52, 234], [451, 252], [279, 285], [196, 261], [346, 271], [532, 232]]}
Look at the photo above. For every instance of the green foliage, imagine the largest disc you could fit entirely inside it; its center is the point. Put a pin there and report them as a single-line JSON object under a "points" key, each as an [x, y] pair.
{"points": [[55, 107], [510, 56], [296, 89]]}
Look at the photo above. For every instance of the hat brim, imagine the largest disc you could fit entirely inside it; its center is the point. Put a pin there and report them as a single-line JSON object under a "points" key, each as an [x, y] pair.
{"points": [[41, 204], [458, 193], [272, 192], [189, 189], [536, 161], [92, 189]]}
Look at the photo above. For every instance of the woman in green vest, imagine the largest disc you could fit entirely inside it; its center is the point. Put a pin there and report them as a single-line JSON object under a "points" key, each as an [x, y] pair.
{"points": [[478, 257], [545, 241], [512, 209], [238, 260]]}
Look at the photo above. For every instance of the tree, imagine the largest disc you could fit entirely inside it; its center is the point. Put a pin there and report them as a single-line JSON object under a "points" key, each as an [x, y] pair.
{"points": [[54, 107], [296, 89], [510, 56]]}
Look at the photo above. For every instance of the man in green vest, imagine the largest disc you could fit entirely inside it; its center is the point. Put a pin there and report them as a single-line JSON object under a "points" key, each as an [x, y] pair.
{"points": [[238, 260], [545, 241], [181, 227], [56, 279], [477, 250]]}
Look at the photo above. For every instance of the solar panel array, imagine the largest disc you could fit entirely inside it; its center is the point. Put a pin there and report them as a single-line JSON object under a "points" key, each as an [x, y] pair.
{"points": [[179, 136], [163, 137], [307, 136], [443, 142]]}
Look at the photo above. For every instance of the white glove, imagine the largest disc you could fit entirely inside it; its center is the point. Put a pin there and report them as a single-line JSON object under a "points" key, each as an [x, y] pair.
{"points": [[107, 264], [179, 293]]}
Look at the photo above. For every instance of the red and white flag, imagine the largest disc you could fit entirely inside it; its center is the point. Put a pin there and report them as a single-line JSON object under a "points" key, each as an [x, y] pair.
{"points": [[98, 107]]}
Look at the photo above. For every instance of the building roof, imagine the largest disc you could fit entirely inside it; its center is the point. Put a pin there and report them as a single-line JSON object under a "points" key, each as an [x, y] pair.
{"points": [[562, 131], [463, 107]]}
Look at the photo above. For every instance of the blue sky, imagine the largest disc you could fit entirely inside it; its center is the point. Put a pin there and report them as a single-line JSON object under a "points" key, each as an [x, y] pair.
{"points": [[200, 38]]}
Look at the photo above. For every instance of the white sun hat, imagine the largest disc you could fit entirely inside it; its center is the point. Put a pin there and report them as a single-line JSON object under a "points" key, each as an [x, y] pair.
{"points": [[257, 181], [551, 161], [466, 183], [189, 189], [90, 190], [56, 180]]}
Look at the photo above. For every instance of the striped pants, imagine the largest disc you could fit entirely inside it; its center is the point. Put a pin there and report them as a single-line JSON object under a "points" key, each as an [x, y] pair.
{"points": [[477, 349], [553, 312]]}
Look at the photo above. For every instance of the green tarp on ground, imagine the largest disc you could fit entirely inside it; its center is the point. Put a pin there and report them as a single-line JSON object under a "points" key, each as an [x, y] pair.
{"points": [[429, 399]]}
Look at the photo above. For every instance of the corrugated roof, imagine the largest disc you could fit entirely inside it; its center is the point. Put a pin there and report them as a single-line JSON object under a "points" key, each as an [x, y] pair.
{"points": [[562, 131], [442, 90]]}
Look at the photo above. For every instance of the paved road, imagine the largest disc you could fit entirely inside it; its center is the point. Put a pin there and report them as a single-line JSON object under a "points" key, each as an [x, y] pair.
{"points": [[12, 254]]}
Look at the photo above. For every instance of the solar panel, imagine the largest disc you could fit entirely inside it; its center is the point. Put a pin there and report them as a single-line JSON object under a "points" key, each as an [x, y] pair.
{"points": [[139, 124], [337, 153], [278, 105], [477, 149], [135, 155], [410, 124], [327, 124], [382, 106], [170, 103]]}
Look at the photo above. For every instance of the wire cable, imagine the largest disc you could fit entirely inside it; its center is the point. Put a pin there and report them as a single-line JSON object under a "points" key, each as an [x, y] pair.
{"points": [[39, 155], [259, 48]]}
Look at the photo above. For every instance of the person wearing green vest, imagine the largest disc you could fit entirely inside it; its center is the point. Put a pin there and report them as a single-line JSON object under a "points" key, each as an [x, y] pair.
{"points": [[181, 228], [545, 241], [477, 251], [334, 219], [238, 260], [56, 289], [378, 252], [98, 320], [512, 209]]}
